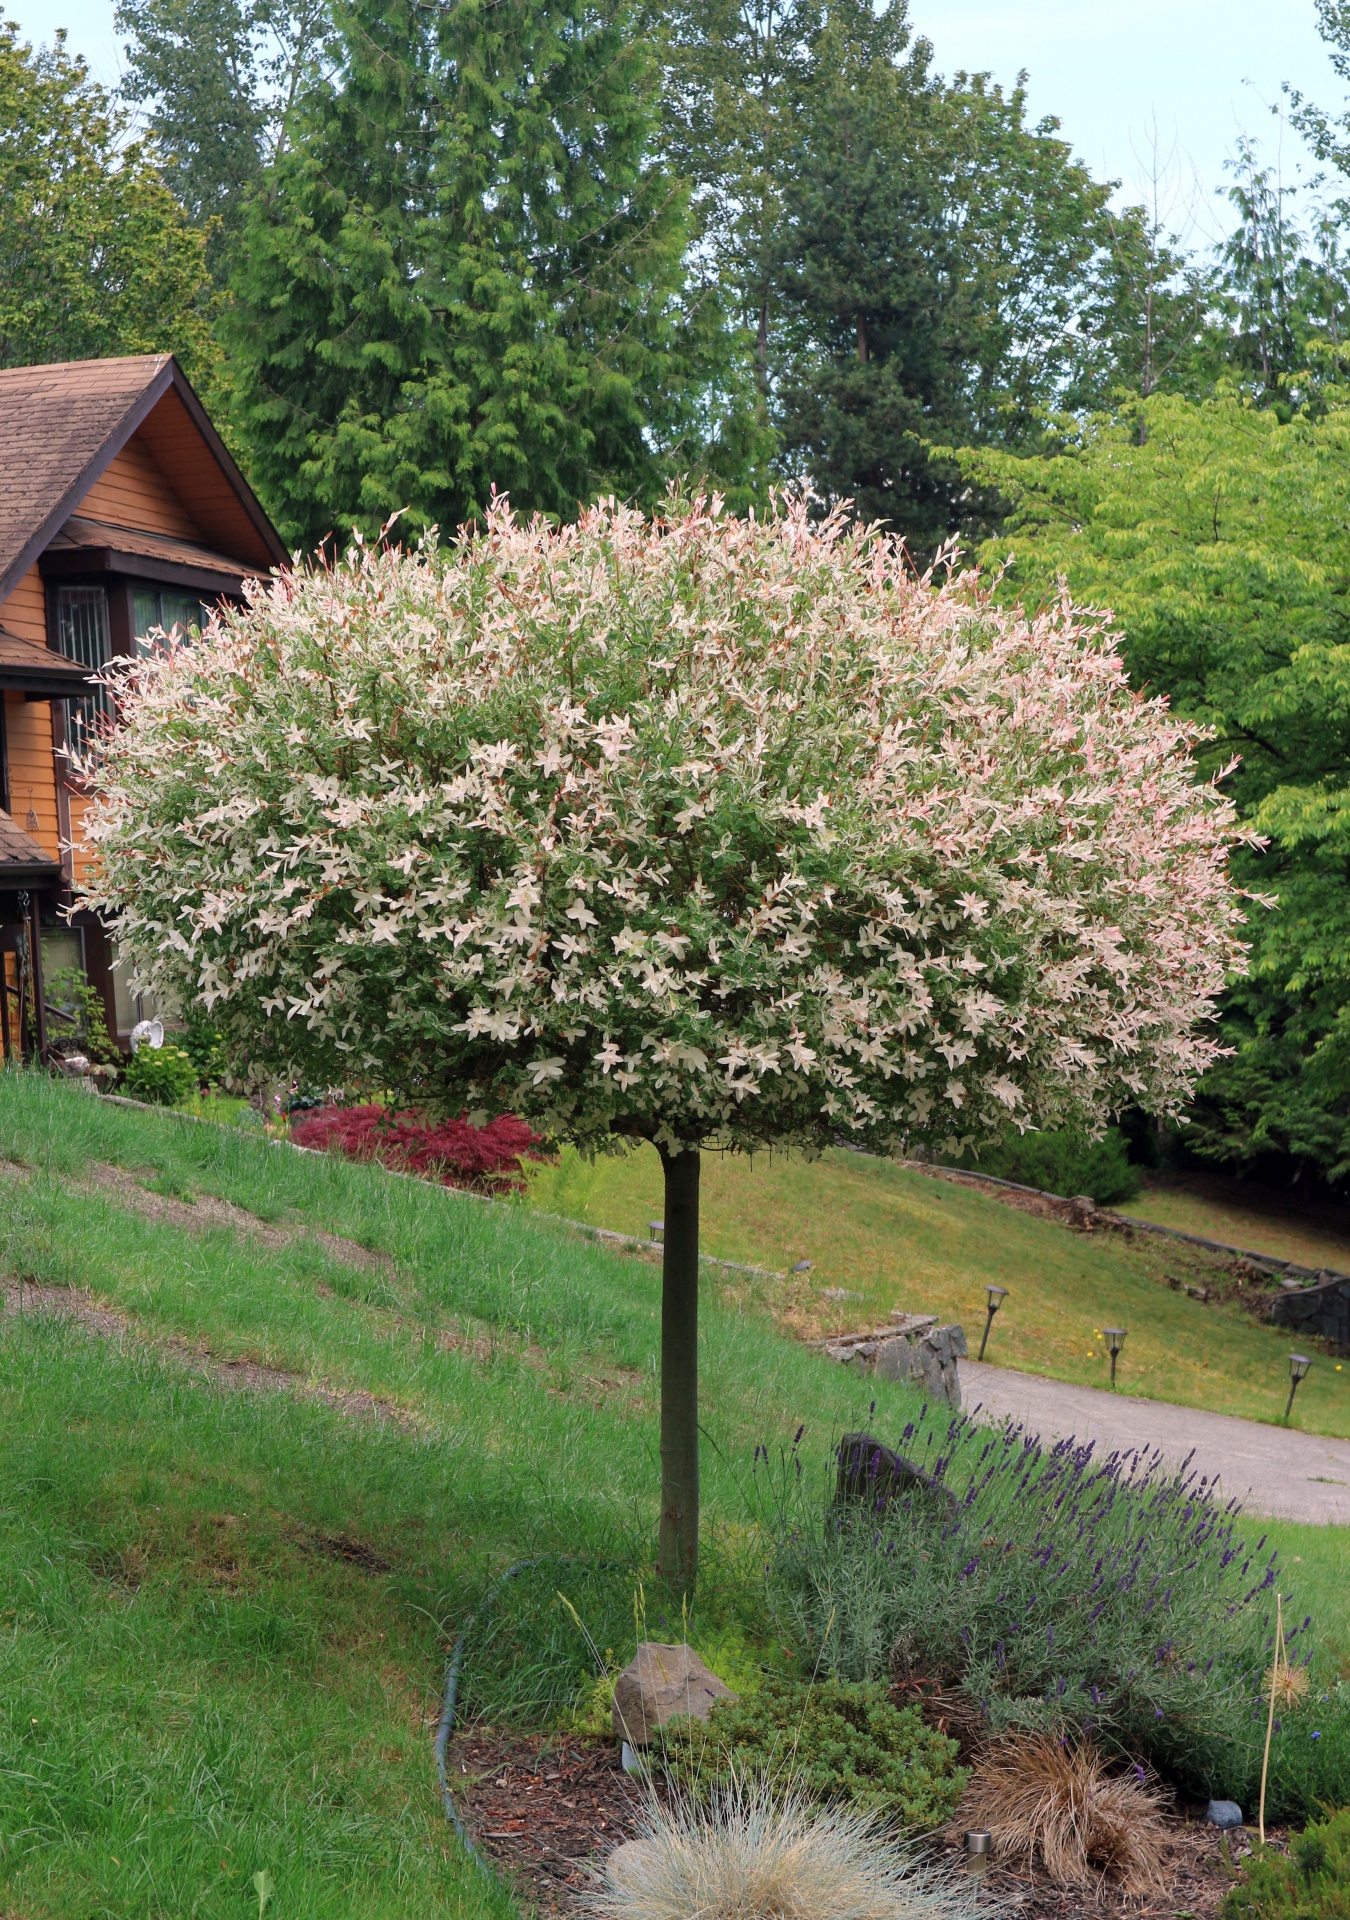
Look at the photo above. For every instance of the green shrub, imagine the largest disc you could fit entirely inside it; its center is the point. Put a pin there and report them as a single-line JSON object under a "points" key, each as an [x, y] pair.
{"points": [[1065, 1163], [164, 1076], [76, 1017], [836, 1741], [204, 1046], [1311, 1883], [1111, 1598]]}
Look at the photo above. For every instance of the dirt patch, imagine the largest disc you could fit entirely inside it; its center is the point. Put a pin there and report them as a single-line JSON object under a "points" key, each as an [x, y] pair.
{"points": [[205, 1211], [1200, 1867], [547, 1809], [68, 1303]]}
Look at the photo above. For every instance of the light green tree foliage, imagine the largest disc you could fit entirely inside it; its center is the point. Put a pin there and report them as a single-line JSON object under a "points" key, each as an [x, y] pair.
{"points": [[1217, 532], [96, 256], [218, 81], [466, 271]]}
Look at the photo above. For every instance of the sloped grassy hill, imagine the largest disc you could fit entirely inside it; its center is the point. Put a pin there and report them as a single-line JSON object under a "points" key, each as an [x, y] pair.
{"points": [[891, 1237], [265, 1463], [224, 1612]]}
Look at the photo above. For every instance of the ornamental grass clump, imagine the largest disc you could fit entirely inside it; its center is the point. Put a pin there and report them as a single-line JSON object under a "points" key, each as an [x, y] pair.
{"points": [[689, 829], [1114, 1600], [753, 1853], [1054, 1803]]}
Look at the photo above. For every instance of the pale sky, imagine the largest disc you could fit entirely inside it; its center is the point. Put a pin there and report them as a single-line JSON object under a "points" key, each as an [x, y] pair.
{"points": [[1199, 72]]}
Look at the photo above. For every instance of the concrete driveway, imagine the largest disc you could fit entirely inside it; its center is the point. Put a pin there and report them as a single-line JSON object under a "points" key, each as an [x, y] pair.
{"points": [[1274, 1470]]}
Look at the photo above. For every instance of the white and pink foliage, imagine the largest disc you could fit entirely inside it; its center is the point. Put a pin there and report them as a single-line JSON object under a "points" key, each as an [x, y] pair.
{"points": [[688, 828]]}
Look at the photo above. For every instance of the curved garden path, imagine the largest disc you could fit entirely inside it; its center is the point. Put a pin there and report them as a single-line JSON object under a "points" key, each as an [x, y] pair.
{"points": [[1273, 1470]]}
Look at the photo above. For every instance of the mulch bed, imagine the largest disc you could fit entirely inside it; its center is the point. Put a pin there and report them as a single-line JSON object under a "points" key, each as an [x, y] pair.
{"points": [[546, 1809]]}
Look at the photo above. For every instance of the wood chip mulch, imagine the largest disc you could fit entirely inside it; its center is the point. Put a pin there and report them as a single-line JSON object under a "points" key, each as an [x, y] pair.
{"points": [[546, 1809]]}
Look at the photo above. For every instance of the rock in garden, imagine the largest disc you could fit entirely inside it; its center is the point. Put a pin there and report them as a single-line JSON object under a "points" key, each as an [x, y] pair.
{"points": [[1224, 1813], [657, 1684]]}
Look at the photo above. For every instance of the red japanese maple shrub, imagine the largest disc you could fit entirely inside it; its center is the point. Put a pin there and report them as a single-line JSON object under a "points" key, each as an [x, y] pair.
{"points": [[451, 1151]]}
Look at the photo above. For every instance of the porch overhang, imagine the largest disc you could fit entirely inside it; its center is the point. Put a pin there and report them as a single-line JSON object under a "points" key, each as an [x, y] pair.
{"points": [[39, 672], [23, 863]]}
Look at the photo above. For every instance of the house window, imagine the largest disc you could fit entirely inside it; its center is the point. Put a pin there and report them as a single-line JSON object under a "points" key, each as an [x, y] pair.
{"points": [[153, 609], [82, 620]]}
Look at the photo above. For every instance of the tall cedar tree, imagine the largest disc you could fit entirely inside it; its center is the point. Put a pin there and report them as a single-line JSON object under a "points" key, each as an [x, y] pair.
{"points": [[464, 273], [96, 256], [218, 81], [856, 205]]}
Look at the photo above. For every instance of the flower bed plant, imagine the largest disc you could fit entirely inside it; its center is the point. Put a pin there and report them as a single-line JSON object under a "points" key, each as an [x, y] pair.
{"points": [[834, 1741], [1108, 1598], [451, 1151], [162, 1076], [1311, 1883]]}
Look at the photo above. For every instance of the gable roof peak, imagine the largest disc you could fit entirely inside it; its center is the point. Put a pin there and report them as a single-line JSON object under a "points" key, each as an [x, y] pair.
{"points": [[62, 425]]}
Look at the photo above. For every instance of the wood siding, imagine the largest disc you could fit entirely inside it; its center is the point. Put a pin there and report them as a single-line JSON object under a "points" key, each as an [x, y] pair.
{"points": [[79, 806], [25, 611], [32, 770], [133, 492]]}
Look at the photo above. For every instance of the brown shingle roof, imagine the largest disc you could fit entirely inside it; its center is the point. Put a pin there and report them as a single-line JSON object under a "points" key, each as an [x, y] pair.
{"points": [[20, 856], [54, 423], [61, 425], [102, 536], [25, 667]]}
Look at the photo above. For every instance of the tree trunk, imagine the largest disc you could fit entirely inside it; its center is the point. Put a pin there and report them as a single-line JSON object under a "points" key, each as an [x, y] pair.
{"points": [[677, 1550]]}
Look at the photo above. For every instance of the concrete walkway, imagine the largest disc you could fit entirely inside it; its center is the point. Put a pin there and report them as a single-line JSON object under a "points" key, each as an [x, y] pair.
{"points": [[1273, 1470]]}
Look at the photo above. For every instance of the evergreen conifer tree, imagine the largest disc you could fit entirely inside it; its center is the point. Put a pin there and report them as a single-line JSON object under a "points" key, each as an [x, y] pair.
{"points": [[465, 272]]}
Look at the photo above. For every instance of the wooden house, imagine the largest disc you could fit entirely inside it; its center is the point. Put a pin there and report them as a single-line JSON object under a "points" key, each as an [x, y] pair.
{"points": [[121, 513]]}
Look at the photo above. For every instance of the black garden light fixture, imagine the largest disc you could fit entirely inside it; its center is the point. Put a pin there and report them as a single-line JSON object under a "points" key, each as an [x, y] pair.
{"points": [[1299, 1363], [657, 1229], [996, 1296], [1115, 1340]]}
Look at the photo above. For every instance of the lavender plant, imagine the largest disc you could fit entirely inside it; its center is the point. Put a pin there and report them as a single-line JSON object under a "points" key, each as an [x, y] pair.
{"points": [[1113, 1597]]}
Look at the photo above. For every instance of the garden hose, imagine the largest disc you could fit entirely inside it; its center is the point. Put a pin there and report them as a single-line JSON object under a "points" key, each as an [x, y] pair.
{"points": [[451, 1693]]}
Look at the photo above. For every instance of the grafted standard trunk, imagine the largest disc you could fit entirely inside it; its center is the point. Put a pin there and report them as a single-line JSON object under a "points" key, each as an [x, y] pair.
{"points": [[677, 1549]]}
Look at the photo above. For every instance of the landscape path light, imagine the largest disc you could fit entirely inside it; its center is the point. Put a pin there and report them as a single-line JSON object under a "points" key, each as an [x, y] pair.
{"points": [[657, 1229], [1115, 1340], [996, 1296], [979, 1846], [1299, 1364]]}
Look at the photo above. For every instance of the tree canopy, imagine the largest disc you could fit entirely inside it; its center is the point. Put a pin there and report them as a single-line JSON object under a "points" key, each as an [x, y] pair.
{"points": [[97, 257], [465, 272], [1216, 533]]}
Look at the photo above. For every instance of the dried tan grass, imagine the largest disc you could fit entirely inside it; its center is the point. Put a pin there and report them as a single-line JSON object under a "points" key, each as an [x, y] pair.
{"points": [[752, 1854], [1042, 1800]]}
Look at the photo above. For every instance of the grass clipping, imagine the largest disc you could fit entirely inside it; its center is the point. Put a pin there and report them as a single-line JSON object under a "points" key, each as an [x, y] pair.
{"points": [[1041, 1800], [750, 1854]]}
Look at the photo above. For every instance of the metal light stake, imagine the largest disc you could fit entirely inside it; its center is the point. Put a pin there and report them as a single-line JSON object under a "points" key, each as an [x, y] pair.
{"points": [[1299, 1364], [979, 1845], [1115, 1340], [996, 1296]]}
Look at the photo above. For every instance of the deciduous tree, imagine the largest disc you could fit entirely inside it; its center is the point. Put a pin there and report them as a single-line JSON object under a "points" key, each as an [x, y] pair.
{"points": [[695, 831], [96, 256], [1218, 537]]}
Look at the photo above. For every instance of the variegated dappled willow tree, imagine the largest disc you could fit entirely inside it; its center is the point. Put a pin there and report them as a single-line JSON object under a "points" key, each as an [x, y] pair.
{"points": [[692, 830]]}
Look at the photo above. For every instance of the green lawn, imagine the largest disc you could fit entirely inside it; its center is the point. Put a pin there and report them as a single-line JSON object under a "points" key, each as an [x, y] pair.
{"points": [[895, 1238], [224, 1615], [1301, 1234], [197, 1680]]}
